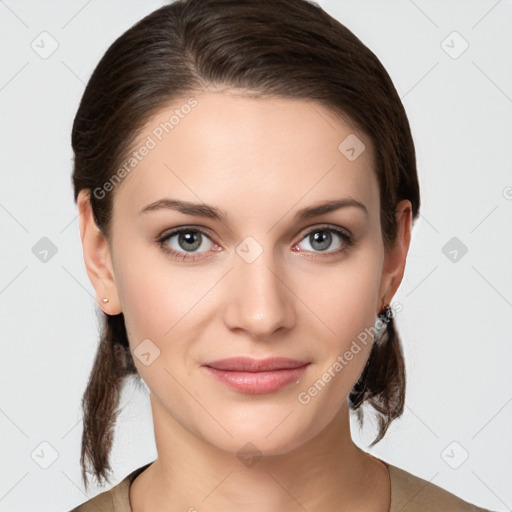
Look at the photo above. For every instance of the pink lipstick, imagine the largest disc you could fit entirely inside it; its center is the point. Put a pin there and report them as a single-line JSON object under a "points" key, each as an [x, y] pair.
{"points": [[256, 376]]}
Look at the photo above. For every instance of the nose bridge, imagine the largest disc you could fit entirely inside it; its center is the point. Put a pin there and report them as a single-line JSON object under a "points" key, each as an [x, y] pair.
{"points": [[259, 300]]}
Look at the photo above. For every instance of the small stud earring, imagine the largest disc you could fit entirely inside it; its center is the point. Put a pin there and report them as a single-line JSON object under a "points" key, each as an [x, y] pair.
{"points": [[105, 300], [385, 308]]}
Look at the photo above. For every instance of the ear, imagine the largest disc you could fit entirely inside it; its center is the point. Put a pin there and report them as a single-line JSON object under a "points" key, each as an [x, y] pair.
{"points": [[97, 258], [394, 263]]}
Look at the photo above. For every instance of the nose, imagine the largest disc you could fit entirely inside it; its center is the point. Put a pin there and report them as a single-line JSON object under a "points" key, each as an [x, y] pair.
{"points": [[259, 298]]}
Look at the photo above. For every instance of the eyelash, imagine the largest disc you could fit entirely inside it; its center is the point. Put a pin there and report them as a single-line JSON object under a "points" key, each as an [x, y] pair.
{"points": [[348, 242]]}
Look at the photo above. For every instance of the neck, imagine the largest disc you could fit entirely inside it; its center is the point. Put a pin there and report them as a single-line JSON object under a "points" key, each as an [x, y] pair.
{"points": [[328, 472]]}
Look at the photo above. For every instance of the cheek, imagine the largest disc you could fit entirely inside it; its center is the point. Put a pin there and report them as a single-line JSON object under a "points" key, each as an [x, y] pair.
{"points": [[155, 312], [155, 295], [344, 297], [165, 306], [344, 302]]}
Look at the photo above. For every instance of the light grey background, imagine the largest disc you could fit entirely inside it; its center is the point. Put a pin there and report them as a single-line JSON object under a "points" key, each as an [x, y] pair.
{"points": [[456, 323]]}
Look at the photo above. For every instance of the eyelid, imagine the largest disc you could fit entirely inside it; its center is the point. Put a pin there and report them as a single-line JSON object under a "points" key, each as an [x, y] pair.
{"points": [[187, 227], [318, 227]]}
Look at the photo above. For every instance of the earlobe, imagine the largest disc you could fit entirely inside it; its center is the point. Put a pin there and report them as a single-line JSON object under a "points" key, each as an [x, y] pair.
{"points": [[97, 258]]}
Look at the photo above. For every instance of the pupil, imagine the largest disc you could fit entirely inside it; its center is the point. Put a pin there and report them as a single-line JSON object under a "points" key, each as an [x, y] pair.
{"points": [[190, 238], [323, 238]]}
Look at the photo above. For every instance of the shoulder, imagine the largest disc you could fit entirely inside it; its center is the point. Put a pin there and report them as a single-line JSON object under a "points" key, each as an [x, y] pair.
{"points": [[116, 499], [410, 493]]}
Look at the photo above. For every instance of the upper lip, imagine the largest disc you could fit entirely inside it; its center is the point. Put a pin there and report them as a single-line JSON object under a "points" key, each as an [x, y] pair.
{"points": [[247, 364]]}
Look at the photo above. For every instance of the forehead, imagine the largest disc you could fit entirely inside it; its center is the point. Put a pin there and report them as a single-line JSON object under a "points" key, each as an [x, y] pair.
{"points": [[213, 145]]}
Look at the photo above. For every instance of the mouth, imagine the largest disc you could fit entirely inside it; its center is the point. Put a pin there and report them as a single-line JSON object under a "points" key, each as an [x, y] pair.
{"points": [[248, 364], [256, 376]]}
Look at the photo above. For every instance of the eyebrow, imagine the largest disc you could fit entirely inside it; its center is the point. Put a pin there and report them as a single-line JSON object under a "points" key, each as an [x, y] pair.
{"points": [[211, 212]]}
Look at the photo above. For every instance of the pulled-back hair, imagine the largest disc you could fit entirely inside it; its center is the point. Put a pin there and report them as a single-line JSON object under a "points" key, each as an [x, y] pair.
{"points": [[280, 48]]}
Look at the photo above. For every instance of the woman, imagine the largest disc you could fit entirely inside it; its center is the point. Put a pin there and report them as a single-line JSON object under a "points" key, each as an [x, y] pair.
{"points": [[269, 140]]}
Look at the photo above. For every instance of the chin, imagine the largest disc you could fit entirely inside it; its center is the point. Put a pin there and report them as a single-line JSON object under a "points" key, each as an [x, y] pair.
{"points": [[272, 435]]}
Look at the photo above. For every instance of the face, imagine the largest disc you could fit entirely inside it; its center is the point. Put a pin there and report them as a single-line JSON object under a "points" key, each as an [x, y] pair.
{"points": [[254, 275]]}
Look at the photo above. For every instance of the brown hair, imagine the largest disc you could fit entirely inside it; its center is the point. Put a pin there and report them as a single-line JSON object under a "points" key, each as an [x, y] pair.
{"points": [[282, 48]]}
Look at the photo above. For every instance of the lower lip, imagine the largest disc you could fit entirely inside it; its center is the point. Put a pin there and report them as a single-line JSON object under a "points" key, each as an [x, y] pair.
{"points": [[257, 382]]}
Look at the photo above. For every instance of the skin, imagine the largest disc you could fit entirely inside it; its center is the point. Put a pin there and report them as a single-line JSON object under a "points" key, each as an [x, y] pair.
{"points": [[260, 161]]}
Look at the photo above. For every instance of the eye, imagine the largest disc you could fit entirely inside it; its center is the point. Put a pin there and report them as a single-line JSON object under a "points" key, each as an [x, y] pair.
{"points": [[321, 238], [185, 243], [182, 243]]}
